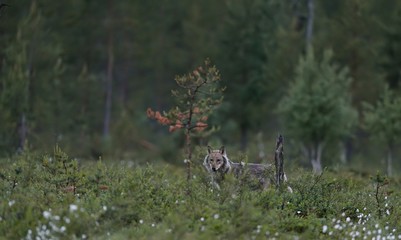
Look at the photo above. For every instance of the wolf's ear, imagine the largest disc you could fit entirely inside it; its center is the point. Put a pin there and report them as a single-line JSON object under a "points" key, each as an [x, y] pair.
{"points": [[223, 150], [209, 149]]}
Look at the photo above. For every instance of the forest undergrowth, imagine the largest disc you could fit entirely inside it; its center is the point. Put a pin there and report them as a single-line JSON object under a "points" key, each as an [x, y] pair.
{"points": [[55, 196]]}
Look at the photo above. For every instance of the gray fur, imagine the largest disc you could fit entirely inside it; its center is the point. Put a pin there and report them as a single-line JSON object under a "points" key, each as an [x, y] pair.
{"points": [[264, 173]]}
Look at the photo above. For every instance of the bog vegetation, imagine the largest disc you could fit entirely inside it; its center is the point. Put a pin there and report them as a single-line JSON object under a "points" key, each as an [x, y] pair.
{"points": [[54, 196]]}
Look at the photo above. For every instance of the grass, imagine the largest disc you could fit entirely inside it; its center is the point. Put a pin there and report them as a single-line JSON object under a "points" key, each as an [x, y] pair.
{"points": [[55, 197]]}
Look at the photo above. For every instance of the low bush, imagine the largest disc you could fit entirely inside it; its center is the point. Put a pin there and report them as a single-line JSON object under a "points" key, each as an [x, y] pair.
{"points": [[58, 197]]}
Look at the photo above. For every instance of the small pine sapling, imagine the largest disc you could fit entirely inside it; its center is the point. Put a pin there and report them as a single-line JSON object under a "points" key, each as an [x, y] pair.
{"points": [[62, 171], [380, 183], [197, 95]]}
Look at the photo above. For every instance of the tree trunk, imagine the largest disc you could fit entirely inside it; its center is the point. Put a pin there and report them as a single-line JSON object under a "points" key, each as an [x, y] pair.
{"points": [[343, 152], [109, 80], [261, 148], [316, 156], [309, 26], [23, 127], [22, 133], [189, 152]]}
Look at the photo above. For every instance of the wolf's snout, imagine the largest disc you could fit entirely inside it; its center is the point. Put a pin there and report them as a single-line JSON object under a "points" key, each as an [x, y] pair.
{"points": [[214, 169]]}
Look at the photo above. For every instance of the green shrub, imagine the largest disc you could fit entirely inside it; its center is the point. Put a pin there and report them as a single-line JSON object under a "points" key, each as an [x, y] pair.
{"points": [[119, 201]]}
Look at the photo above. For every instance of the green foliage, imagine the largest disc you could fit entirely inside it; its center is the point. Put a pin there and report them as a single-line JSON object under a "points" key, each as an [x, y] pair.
{"points": [[317, 106], [54, 59], [15, 84], [245, 61], [391, 60], [380, 183], [383, 120], [152, 202], [355, 36], [198, 94], [62, 172]]}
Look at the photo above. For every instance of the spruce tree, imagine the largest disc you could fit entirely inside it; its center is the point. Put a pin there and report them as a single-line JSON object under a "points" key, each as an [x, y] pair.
{"points": [[317, 107], [383, 121]]}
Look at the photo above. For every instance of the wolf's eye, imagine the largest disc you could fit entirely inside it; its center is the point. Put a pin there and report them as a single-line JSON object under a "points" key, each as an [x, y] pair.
{"points": [[211, 160]]}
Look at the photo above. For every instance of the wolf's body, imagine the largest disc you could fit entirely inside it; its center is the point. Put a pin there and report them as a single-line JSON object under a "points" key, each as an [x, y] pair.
{"points": [[218, 165]]}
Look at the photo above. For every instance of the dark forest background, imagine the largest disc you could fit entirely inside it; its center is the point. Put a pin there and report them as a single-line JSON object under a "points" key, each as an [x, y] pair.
{"points": [[81, 73]]}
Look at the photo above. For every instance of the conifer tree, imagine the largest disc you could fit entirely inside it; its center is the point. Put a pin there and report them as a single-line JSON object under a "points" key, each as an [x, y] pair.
{"points": [[246, 42], [198, 94], [317, 107], [383, 121]]}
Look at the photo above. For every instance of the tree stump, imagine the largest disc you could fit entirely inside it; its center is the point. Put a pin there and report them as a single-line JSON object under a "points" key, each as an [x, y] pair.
{"points": [[279, 160]]}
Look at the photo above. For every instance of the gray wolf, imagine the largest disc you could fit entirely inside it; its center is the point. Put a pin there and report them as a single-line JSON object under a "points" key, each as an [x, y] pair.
{"points": [[218, 165]]}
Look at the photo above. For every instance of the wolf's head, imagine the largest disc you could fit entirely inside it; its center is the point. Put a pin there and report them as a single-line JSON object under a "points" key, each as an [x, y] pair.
{"points": [[217, 160]]}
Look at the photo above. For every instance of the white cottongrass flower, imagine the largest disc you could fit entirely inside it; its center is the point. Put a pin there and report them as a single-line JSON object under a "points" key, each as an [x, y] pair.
{"points": [[73, 207], [216, 216], [348, 219], [29, 235], [324, 230], [202, 219], [10, 203], [140, 221], [47, 214]]}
